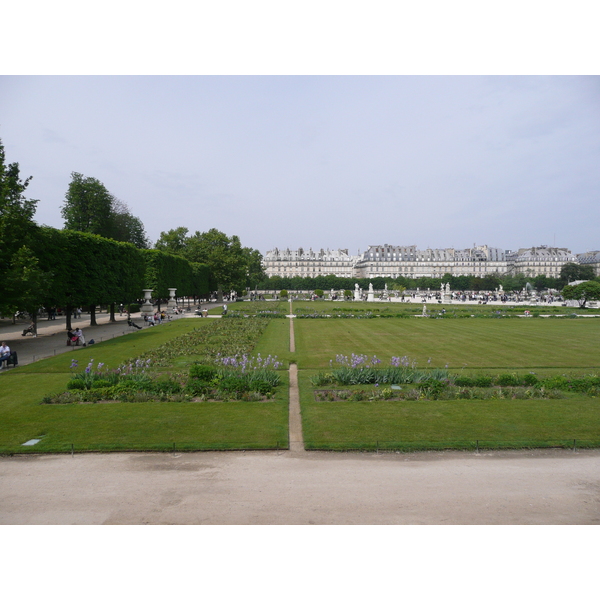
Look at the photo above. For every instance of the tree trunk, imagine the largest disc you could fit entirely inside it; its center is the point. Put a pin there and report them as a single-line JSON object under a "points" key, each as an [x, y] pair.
{"points": [[112, 313], [93, 315], [219, 295], [34, 321], [69, 310]]}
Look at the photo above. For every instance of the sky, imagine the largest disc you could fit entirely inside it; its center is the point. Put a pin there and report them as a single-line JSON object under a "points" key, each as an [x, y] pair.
{"points": [[320, 160]]}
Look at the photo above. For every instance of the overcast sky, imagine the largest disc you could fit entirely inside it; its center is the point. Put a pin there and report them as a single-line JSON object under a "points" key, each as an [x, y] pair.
{"points": [[321, 161]]}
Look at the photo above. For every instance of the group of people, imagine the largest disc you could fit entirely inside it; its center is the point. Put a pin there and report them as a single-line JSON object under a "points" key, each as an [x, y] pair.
{"points": [[75, 337], [157, 318]]}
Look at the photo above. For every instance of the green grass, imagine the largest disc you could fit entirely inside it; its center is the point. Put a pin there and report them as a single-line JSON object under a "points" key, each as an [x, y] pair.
{"points": [[406, 425], [276, 341], [546, 346], [144, 426], [459, 343]]}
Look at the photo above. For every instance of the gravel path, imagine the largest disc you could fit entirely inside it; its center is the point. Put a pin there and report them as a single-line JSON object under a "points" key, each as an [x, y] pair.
{"points": [[533, 487]]}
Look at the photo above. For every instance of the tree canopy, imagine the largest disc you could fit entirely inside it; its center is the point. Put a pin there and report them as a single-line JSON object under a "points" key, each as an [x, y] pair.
{"points": [[23, 282], [573, 271], [90, 208], [588, 290], [231, 266]]}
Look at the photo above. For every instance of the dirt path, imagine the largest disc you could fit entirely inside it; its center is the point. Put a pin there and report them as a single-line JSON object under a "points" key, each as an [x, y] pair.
{"points": [[295, 418], [296, 439], [533, 487]]}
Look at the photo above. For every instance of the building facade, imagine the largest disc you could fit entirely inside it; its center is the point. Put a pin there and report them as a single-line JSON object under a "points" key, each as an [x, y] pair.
{"points": [[591, 258], [301, 263], [410, 262], [540, 260]]}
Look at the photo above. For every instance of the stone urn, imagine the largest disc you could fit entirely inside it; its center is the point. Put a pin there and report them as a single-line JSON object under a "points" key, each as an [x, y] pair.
{"points": [[172, 303], [147, 308]]}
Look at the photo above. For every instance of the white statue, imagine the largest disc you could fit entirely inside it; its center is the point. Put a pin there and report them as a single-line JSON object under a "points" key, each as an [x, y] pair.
{"points": [[424, 310], [370, 288], [447, 288]]}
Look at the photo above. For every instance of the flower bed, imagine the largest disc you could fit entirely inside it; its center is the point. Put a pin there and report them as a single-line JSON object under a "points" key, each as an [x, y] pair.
{"points": [[237, 377], [425, 392]]}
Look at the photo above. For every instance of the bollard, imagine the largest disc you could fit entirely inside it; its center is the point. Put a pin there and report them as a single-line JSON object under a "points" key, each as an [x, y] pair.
{"points": [[72, 451], [477, 446], [574, 445]]}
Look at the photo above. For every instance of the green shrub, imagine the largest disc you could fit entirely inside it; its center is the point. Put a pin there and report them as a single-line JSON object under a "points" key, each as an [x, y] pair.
{"points": [[464, 381], [283, 294], [483, 381], [76, 384], [233, 384], [202, 372], [166, 386], [508, 379], [101, 383], [530, 379]]}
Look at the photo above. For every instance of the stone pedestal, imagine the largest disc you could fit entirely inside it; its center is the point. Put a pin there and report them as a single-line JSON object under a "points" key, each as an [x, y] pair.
{"points": [[171, 304], [147, 308], [371, 296], [447, 298]]}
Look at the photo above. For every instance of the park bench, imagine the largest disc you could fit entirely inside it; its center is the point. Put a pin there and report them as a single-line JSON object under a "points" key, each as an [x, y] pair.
{"points": [[12, 359]]}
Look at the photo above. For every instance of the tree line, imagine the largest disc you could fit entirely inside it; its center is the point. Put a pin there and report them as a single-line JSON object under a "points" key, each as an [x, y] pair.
{"points": [[103, 255], [510, 283]]}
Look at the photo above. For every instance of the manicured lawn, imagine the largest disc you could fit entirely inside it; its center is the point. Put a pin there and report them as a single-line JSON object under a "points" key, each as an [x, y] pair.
{"points": [[459, 343], [424, 424], [125, 426], [547, 346]]}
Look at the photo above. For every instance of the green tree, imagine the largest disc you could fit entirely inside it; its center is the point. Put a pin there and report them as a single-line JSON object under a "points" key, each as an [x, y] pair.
{"points": [[573, 271], [254, 269], [124, 227], [88, 206], [174, 241], [18, 274], [26, 282], [588, 290], [223, 255]]}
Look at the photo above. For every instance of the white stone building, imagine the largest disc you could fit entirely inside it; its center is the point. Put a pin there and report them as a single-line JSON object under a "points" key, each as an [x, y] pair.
{"points": [[301, 263], [540, 260], [408, 261]]}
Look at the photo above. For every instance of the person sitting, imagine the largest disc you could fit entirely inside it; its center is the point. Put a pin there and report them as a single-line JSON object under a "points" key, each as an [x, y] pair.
{"points": [[4, 354], [79, 335], [30, 329]]}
